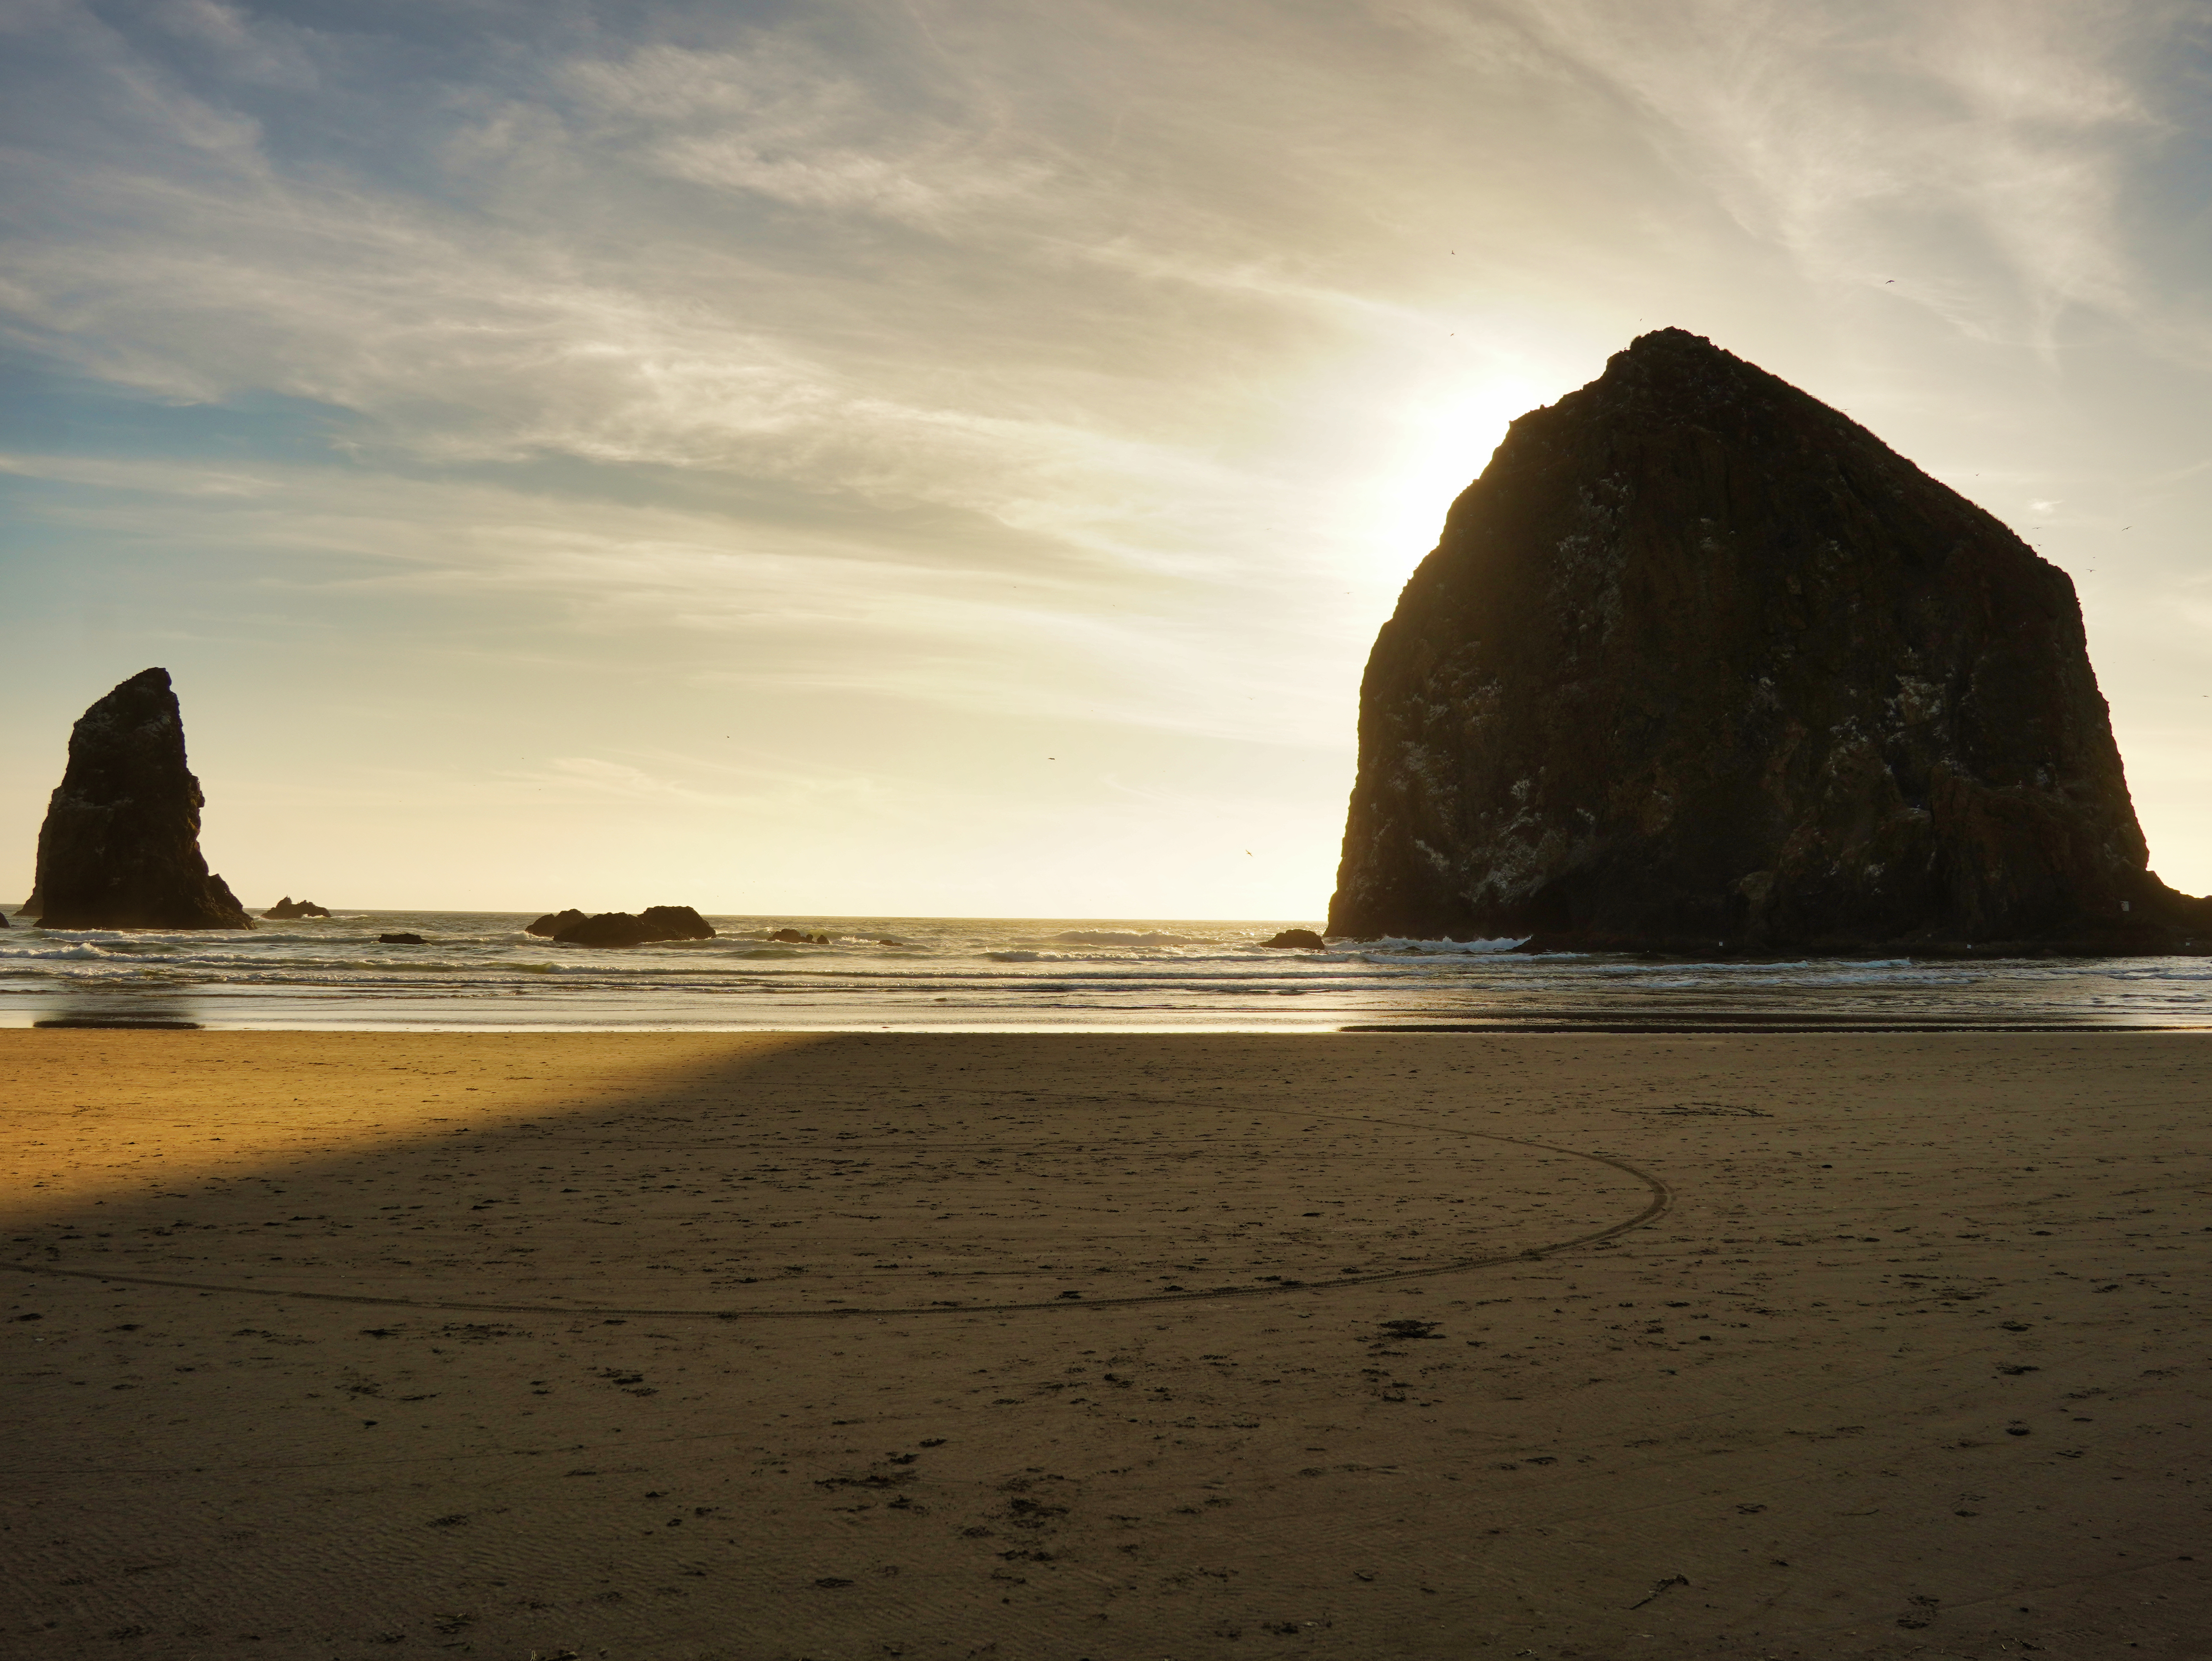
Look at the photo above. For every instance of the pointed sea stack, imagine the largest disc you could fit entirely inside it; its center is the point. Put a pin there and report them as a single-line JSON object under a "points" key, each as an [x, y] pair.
{"points": [[120, 847], [1701, 662]]}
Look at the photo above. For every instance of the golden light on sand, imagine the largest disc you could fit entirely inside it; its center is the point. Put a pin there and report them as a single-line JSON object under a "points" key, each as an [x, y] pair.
{"points": [[203, 1106]]}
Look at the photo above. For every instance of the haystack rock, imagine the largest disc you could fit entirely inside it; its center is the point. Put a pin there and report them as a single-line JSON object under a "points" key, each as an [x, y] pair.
{"points": [[1700, 662], [654, 923], [120, 847]]}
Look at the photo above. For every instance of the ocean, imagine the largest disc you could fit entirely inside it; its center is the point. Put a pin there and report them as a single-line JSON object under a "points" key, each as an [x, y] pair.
{"points": [[480, 971]]}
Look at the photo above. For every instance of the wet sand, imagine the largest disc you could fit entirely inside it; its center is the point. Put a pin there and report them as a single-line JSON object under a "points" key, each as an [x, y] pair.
{"points": [[1444, 1345]]}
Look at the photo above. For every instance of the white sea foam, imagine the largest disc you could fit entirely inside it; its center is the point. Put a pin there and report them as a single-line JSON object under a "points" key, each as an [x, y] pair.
{"points": [[1443, 948], [477, 970]]}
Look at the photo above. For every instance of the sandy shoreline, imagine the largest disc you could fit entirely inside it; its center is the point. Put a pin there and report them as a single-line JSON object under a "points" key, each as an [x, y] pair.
{"points": [[778, 1345]]}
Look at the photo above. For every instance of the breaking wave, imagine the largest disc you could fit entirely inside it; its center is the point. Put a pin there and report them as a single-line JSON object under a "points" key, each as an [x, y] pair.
{"points": [[480, 969]]}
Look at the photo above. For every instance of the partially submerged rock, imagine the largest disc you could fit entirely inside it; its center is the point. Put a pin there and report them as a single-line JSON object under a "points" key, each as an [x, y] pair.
{"points": [[654, 923], [288, 909], [799, 937], [1295, 940], [401, 939], [120, 846], [678, 923], [1701, 662], [554, 922]]}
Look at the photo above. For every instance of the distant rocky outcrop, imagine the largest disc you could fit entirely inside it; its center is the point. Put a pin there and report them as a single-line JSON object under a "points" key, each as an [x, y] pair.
{"points": [[120, 847], [654, 923], [799, 937], [554, 922], [288, 908], [401, 939], [1701, 662], [1295, 940]]}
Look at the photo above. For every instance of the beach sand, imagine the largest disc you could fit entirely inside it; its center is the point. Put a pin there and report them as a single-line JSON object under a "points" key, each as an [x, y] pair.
{"points": [[650, 1345]]}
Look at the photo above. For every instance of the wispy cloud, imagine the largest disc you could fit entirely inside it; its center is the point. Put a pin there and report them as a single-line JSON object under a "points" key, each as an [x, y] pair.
{"points": [[1976, 155], [784, 122]]}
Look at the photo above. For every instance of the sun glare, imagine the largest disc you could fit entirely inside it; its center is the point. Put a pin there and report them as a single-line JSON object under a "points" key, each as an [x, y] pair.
{"points": [[1436, 450]]}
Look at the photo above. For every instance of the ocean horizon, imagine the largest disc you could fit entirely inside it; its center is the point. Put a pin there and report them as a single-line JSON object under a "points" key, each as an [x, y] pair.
{"points": [[478, 970]]}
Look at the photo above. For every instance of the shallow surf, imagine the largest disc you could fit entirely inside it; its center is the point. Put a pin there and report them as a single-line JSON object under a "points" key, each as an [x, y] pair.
{"points": [[480, 971]]}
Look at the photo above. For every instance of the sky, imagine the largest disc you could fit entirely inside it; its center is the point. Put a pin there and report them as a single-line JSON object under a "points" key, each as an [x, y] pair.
{"points": [[918, 459]]}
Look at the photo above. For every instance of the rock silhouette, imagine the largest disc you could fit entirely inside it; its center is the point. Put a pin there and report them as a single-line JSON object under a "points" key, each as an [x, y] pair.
{"points": [[120, 846], [1700, 661], [401, 939], [554, 922], [1294, 939], [288, 908], [655, 922], [799, 937]]}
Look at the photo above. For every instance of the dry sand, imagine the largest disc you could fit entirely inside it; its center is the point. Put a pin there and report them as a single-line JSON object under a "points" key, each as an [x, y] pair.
{"points": [[653, 1346]]}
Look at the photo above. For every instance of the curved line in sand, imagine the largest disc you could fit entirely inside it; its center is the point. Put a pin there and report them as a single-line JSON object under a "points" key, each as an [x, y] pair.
{"points": [[1662, 1201]]}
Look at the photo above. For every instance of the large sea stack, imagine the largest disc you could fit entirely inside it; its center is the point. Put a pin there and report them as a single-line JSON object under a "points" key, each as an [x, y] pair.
{"points": [[120, 847], [1701, 662]]}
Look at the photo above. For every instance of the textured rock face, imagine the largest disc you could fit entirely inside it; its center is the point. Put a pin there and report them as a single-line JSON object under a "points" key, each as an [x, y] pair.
{"points": [[655, 922], [120, 847], [1699, 659]]}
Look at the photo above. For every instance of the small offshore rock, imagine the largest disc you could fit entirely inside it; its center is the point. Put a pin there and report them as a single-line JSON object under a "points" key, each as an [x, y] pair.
{"points": [[619, 929], [1295, 940], [797, 937], [553, 923], [120, 846], [288, 908], [401, 939], [608, 928], [677, 922]]}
